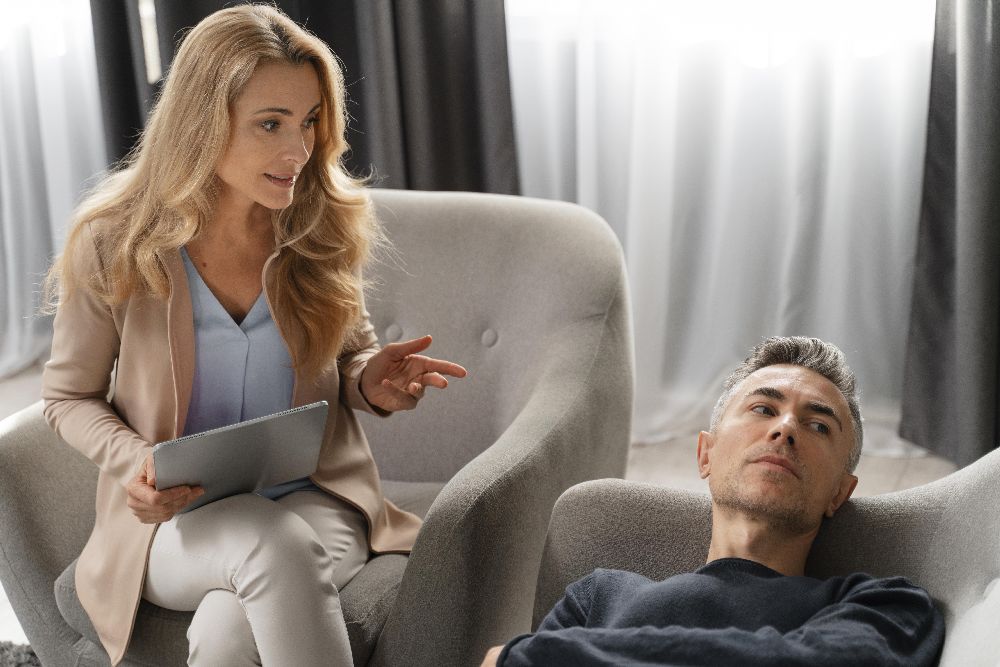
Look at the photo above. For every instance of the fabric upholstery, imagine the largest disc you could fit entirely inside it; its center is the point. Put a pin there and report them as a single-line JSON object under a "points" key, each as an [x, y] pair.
{"points": [[531, 297], [944, 536]]}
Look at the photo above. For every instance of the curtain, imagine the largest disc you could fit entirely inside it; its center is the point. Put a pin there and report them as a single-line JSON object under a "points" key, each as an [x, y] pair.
{"points": [[761, 164], [125, 89], [51, 142], [951, 403], [427, 83]]}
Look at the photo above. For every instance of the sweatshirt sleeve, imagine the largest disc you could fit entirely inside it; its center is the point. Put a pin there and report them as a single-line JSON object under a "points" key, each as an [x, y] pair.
{"points": [[570, 612], [877, 622], [77, 377]]}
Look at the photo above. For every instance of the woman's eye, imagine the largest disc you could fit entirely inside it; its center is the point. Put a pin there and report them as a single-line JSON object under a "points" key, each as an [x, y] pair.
{"points": [[270, 125], [762, 410], [311, 122]]}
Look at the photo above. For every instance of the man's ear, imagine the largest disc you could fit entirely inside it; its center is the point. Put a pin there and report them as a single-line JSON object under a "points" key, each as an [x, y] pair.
{"points": [[705, 443], [847, 484]]}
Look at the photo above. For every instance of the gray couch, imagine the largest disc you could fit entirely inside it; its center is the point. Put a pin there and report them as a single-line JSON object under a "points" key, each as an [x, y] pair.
{"points": [[531, 297], [944, 536]]}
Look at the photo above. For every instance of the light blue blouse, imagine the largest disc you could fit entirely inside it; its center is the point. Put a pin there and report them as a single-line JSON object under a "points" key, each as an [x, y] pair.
{"points": [[242, 371]]}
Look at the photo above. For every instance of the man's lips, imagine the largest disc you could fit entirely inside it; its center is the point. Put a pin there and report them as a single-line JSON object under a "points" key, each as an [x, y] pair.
{"points": [[779, 461]]}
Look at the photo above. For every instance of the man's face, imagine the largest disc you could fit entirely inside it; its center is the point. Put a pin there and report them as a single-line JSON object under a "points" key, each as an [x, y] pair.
{"points": [[780, 451]]}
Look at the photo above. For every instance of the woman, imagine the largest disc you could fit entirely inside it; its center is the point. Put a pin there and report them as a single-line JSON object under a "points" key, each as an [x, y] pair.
{"points": [[218, 273]]}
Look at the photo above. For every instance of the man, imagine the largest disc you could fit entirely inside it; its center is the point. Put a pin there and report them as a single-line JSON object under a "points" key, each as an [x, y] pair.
{"points": [[784, 440]]}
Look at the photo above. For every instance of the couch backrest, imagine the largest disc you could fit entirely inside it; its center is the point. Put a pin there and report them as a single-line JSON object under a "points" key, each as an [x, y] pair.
{"points": [[498, 281]]}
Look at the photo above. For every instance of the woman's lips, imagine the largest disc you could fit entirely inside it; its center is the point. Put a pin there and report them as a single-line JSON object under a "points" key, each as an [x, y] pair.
{"points": [[286, 182]]}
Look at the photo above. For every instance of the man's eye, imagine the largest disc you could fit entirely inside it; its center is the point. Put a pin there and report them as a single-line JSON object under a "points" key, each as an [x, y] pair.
{"points": [[762, 410], [270, 125], [820, 427]]}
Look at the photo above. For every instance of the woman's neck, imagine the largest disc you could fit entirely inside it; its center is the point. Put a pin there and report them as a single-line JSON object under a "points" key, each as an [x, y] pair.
{"points": [[237, 218]]}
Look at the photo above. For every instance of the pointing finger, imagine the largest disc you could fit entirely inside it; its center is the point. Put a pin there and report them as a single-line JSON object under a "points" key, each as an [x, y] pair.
{"points": [[400, 351], [431, 365]]}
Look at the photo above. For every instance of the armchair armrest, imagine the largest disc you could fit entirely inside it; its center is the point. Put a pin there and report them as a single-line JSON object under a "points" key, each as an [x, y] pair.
{"points": [[43, 523], [471, 576]]}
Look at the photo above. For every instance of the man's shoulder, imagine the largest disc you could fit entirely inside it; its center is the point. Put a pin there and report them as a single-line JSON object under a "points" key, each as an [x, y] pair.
{"points": [[601, 577]]}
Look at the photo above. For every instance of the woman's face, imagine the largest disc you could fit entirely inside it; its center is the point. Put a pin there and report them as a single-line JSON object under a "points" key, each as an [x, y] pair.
{"points": [[271, 135]]}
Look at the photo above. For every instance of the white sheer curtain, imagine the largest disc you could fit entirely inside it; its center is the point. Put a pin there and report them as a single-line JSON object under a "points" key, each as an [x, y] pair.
{"points": [[51, 142], [761, 162]]}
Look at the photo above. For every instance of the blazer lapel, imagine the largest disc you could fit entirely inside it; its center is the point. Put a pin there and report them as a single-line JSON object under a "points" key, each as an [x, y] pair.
{"points": [[180, 331]]}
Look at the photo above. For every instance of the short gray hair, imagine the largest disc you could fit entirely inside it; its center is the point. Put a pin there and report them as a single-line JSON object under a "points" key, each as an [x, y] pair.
{"points": [[812, 353]]}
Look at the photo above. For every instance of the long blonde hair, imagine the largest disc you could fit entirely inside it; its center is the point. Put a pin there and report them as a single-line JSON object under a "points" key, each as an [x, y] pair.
{"points": [[165, 190]]}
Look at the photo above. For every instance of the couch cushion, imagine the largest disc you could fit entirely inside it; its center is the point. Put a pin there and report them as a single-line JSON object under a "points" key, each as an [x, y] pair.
{"points": [[163, 631]]}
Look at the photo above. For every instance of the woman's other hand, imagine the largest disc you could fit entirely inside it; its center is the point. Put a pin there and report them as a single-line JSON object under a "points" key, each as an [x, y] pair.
{"points": [[152, 506], [396, 376]]}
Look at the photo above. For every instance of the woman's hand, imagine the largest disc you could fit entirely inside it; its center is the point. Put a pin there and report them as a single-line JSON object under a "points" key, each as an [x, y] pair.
{"points": [[152, 506], [395, 377]]}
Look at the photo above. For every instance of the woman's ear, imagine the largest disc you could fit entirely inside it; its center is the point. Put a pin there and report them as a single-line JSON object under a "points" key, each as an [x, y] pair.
{"points": [[705, 443]]}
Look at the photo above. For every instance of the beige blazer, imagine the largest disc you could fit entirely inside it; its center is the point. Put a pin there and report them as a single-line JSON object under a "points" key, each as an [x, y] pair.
{"points": [[152, 342]]}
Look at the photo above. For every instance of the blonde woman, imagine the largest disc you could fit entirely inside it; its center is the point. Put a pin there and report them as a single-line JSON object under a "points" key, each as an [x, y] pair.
{"points": [[218, 274]]}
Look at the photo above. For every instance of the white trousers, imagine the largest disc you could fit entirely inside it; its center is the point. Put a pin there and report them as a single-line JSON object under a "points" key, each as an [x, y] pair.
{"points": [[262, 577]]}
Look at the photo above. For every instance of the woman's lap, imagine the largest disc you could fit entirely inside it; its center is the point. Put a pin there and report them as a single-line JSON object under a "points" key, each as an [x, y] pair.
{"points": [[205, 549]]}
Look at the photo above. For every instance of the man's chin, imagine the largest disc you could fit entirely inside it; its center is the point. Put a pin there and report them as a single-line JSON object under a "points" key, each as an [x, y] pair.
{"points": [[769, 503]]}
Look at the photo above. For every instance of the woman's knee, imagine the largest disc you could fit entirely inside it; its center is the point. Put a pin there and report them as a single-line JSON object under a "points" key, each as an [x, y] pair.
{"points": [[271, 543]]}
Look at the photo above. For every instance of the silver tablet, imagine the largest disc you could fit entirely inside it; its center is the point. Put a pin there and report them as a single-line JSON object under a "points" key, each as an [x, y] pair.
{"points": [[244, 457]]}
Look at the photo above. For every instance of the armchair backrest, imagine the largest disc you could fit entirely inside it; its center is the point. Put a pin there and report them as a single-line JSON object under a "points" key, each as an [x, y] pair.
{"points": [[498, 281], [944, 536]]}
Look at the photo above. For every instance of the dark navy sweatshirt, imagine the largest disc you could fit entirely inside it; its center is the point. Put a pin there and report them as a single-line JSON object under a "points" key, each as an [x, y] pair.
{"points": [[734, 612]]}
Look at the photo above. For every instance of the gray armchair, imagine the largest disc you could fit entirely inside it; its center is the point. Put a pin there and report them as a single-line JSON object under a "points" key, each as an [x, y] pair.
{"points": [[944, 536], [531, 297]]}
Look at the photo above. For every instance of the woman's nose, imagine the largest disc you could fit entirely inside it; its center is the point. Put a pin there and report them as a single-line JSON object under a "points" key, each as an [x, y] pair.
{"points": [[299, 149]]}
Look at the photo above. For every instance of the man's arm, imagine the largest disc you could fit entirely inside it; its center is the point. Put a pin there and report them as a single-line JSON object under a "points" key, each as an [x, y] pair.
{"points": [[878, 622], [569, 612]]}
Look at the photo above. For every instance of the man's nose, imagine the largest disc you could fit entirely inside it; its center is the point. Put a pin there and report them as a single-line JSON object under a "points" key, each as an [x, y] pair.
{"points": [[785, 429]]}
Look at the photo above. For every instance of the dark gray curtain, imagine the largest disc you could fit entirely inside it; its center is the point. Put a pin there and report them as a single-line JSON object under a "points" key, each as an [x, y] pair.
{"points": [[428, 85], [951, 401], [121, 73]]}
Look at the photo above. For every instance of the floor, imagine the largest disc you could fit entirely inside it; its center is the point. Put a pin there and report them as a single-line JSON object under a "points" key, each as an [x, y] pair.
{"points": [[890, 465]]}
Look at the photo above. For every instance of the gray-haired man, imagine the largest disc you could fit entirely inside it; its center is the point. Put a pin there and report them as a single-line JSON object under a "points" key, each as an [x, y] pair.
{"points": [[779, 457]]}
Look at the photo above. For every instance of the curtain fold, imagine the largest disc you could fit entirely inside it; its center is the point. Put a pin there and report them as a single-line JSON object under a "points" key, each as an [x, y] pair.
{"points": [[427, 82], [126, 93], [761, 164], [51, 143], [951, 400]]}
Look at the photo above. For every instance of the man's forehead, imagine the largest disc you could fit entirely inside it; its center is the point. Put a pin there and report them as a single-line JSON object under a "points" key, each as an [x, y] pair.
{"points": [[792, 379]]}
